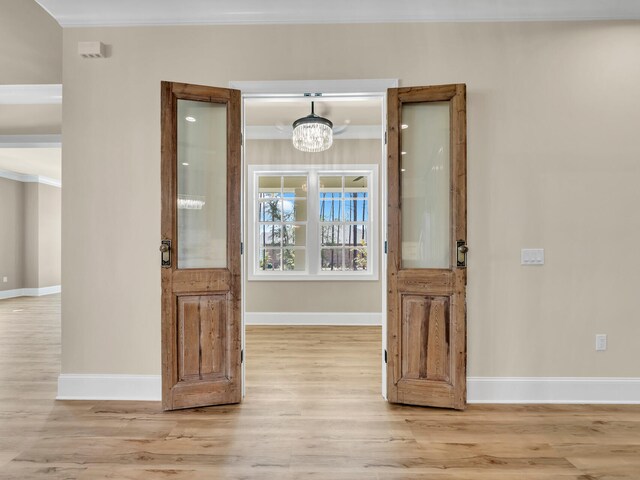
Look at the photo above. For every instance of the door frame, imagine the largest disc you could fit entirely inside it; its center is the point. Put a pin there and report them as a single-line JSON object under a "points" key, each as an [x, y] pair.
{"points": [[329, 88]]}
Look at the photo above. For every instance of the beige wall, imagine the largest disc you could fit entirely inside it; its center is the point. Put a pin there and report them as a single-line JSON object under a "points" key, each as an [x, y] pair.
{"points": [[11, 233], [30, 44], [553, 163], [49, 235], [31, 236], [30, 248], [310, 296]]}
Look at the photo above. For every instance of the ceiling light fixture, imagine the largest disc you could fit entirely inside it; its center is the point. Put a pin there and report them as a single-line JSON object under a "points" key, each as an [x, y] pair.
{"points": [[312, 133], [190, 202], [190, 119]]}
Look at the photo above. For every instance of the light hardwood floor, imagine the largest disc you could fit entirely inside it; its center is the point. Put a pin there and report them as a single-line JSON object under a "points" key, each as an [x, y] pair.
{"points": [[313, 410]]}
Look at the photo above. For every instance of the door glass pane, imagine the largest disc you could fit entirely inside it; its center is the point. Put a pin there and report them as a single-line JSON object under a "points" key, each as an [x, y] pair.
{"points": [[425, 183], [202, 184]]}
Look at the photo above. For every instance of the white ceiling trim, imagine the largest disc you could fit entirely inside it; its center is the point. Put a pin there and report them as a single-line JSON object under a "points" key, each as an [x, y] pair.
{"points": [[21, 177], [296, 88], [86, 13], [352, 132], [30, 141], [30, 94]]}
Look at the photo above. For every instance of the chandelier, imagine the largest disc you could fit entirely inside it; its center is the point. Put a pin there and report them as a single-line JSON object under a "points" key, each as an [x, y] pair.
{"points": [[312, 133]]}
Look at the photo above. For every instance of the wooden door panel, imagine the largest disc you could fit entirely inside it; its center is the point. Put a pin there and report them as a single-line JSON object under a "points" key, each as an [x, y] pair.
{"points": [[196, 281], [201, 313], [188, 336], [202, 323], [425, 338], [426, 320], [213, 328]]}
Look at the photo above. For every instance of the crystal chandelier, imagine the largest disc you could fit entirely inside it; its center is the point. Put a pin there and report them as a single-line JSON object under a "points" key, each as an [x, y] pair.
{"points": [[190, 202], [312, 133]]}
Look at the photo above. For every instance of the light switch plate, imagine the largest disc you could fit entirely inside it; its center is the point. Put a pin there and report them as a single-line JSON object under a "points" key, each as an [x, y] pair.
{"points": [[532, 256], [5, 279], [601, 342]]}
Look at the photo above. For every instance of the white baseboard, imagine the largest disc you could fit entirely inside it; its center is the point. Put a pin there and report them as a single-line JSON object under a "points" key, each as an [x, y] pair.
{"points": [[558, 390], [576, 390], [307, 318], [109, 387], [30, 292]]}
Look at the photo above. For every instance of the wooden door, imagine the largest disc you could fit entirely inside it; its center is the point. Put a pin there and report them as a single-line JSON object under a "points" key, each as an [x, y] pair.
{"points": [[200, 246], [426, 329]]}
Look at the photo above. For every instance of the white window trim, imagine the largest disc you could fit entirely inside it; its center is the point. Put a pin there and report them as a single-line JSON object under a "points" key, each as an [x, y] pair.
{"points": [[312, 270]]}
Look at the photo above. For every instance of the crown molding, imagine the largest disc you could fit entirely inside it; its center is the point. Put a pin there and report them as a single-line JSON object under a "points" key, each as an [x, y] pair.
{"points": [[30, 94], [295, 88], [109, 13], [21, 177], [352, 132], [30, 141]]}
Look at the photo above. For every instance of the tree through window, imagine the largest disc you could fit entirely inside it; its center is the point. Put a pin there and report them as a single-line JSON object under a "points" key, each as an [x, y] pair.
{"points": [[313, 223]]}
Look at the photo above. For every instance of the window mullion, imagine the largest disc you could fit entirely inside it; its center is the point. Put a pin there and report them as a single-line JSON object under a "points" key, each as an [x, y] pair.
{"points": [[313, 230]]}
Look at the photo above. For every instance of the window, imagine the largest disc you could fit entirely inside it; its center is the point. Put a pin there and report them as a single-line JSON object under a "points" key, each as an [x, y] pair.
{"points": [[312, 223], [282, 222], [344, 222]]}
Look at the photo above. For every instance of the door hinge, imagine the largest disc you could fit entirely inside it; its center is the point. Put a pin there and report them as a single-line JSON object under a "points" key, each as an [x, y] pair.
{"points": [[241, 356], [385, 355], [385, 246], [385, 138], [241, 248], [241, 139]]}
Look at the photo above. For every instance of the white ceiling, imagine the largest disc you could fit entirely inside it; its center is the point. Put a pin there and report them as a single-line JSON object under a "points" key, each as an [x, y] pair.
{"points": [[30, 119], [45, 162], [353, 118], [365, 111], [30, 127], [71, 13]]}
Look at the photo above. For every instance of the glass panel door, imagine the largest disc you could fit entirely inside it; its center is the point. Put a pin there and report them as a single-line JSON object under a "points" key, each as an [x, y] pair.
{"points": [[425, 185], [202, 184]]}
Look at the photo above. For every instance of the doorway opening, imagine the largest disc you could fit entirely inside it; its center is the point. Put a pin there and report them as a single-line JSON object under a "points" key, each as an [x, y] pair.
{"points": [[313, 222], [315, 229]]}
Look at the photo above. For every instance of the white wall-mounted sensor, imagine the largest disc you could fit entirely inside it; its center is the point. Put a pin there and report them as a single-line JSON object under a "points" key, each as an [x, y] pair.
{"points": [[91, 49]]}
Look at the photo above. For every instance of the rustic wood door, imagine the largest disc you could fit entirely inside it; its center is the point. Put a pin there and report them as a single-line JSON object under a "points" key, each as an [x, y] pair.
{"points": [[427, 231], [200, 246]]}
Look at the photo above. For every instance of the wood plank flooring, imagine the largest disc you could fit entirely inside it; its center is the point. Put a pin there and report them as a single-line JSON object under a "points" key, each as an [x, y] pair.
{"points": [[313, 411]]}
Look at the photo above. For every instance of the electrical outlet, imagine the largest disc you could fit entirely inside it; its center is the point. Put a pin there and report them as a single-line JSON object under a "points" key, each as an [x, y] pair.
{"points": [[601, 342], [5, 279]]}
